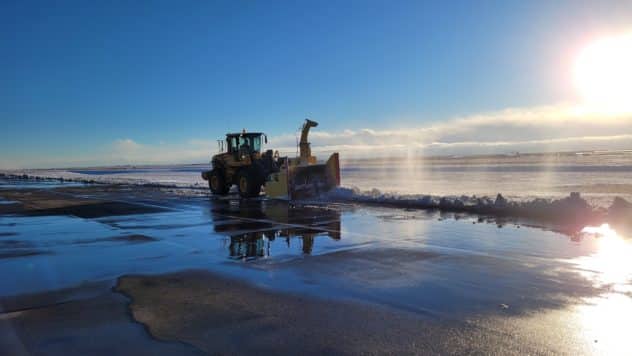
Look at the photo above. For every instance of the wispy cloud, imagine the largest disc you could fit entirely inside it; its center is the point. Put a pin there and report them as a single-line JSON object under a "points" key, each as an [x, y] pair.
{"points": [[539, 129]]}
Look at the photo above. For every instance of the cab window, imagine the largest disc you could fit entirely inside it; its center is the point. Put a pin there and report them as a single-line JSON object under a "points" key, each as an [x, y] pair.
{"points": [[243, 141], [232, 144], [256, 144]]}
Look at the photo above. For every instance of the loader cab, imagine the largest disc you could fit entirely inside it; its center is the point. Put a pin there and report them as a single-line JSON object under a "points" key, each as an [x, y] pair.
{"points": [[245, 144]]}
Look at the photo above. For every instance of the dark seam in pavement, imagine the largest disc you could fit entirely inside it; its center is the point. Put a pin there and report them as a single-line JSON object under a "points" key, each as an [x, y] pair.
{"points": [[37, 307]]}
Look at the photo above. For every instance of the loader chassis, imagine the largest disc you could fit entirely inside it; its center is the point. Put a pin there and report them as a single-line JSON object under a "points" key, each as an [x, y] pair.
{"points": [[244, 164]]}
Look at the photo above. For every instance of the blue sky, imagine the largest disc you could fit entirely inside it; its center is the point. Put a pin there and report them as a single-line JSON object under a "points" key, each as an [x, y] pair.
{"points": [[109, 82]]}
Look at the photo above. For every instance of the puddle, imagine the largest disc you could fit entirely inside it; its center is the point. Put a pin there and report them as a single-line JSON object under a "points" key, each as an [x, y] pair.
{"points": [[124, 238], [440, 266], [424, 262]]}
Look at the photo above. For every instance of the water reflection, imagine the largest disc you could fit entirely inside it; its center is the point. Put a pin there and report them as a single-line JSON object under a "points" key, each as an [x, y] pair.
{"points": [[605, 323], [604, 320], [253, 228], [611, 265]]}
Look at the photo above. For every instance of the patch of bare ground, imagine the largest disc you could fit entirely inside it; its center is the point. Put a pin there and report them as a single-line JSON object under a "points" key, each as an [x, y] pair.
{"points": [[50, 202], [224, 316]]}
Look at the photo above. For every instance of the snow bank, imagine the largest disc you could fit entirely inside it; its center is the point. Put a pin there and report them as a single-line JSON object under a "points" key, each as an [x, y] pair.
{"points": [[572, 210], [190, 181]]}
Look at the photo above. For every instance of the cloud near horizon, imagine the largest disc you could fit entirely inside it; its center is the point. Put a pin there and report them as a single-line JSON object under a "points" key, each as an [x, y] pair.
{"points": [[541, 129]]}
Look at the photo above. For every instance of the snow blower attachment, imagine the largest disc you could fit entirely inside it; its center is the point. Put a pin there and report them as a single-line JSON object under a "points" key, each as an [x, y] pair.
{"points": [[243, 164]]}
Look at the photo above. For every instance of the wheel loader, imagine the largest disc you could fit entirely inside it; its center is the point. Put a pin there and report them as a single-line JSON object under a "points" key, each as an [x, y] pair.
{"points": [[242, 162]]}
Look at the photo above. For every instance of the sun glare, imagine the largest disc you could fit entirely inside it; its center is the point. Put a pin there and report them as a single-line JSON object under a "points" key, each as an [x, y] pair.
{"points": [[611, 264], [604, 318], [603, 74]]}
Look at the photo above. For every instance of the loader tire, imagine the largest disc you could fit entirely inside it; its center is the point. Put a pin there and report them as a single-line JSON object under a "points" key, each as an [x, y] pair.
{"points": [[217, 183], [248, 183]]}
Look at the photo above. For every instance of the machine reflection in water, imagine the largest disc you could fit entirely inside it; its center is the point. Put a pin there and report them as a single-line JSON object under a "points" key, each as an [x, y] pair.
{"points": [[253, 227], [253, 245]]}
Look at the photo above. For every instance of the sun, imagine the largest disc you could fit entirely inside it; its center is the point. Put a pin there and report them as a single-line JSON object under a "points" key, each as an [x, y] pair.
{"points": [[603, 74]]}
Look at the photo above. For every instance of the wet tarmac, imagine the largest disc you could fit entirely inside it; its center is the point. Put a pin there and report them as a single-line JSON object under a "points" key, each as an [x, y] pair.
{"points": [[524, 283]]}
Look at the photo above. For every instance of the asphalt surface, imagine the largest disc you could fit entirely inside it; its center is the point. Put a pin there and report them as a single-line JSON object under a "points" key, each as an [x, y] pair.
{"points": [[99, 269]]}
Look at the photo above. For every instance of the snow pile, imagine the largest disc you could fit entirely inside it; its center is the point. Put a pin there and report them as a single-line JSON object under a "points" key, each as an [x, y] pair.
{"points": [[620, 212], [191, 180], [571, 210]]}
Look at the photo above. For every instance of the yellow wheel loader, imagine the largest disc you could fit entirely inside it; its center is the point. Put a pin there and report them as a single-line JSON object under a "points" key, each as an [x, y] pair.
{"points": [[241, 162]]}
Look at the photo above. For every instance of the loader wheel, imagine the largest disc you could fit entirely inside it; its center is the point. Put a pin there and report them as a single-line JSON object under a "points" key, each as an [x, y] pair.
{"points": [[248, 183], [217, 183]]}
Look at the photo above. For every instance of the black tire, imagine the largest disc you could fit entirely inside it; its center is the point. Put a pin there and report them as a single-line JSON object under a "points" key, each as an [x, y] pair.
{"points": [[249, 183], [217, 183]]}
